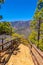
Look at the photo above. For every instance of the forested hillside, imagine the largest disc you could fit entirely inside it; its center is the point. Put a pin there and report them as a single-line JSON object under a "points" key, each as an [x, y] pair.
{"points": [[36, 26]]}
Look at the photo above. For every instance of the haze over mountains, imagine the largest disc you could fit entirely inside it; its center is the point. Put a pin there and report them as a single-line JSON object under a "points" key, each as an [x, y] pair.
{"points": [[22, 27]]}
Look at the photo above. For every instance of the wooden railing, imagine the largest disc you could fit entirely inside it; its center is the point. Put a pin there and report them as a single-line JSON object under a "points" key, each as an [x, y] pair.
{"points": [[7, 44], [8, 50], [37, 54]]}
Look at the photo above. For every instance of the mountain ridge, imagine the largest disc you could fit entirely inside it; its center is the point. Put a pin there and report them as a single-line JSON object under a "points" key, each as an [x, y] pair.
{"points": [[22, 27]]}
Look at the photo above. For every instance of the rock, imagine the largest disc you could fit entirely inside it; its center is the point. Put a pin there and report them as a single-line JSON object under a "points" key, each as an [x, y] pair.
{"points": [[15, 52]]}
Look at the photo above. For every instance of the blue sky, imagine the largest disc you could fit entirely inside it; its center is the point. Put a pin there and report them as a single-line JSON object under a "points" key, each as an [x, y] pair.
{"points": [[13, 10]]}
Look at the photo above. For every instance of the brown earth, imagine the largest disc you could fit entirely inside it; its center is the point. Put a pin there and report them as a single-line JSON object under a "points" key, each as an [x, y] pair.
{"points": [[23, 57]]}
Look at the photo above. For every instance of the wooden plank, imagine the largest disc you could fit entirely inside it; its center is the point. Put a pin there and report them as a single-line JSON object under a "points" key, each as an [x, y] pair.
{"points": [[34, 60], [36, 53], [39, 51], [37, 56]]}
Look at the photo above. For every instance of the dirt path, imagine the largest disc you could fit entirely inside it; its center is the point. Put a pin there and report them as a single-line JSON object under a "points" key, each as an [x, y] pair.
{"points": [[22, 58]]}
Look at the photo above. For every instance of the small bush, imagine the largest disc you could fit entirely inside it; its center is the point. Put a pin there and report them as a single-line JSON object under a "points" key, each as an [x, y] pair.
{"points": [[33, 39], [33, 36], [36, 43], [21, 38], [41, 44]]}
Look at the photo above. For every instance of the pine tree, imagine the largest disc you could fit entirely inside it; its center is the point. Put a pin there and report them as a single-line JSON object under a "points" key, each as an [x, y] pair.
{"points": [[1, 2], [39, 10], [37, 25]]}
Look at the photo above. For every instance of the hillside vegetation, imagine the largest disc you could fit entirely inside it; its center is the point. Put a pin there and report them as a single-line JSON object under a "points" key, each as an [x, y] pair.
{"points": [[6, 28], [36, 26]]}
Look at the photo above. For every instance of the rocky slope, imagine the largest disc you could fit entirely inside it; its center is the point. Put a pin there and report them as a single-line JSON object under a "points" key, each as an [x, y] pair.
{"points": [[22, 27]]}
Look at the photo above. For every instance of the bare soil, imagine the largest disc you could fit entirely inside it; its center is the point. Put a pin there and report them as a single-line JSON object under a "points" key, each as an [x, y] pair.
{"points": [[23, 57]]}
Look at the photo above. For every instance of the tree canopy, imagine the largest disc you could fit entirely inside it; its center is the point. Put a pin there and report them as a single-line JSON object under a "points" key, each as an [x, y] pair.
{"points": [[34, 26], [39, 10], [6, 28], [2, 1]]}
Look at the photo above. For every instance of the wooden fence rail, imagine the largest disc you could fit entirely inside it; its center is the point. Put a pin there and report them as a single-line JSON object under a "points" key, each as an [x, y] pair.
{"points": [[2, 46], [7, 44], [6, 52], [37, 54]]}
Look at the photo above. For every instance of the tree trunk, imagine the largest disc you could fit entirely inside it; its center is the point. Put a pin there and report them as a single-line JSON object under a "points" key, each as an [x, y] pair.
{"points": [[39, 22]]}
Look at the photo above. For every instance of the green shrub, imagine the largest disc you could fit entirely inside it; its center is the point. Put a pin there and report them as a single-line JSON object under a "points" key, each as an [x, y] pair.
{"points": [[36, 43], [41, 44], [33, 39], [6, 28], [33, 36]]}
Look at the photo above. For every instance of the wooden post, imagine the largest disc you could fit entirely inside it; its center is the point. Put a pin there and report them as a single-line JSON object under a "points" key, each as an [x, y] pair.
{"points": [[2, 43]]}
